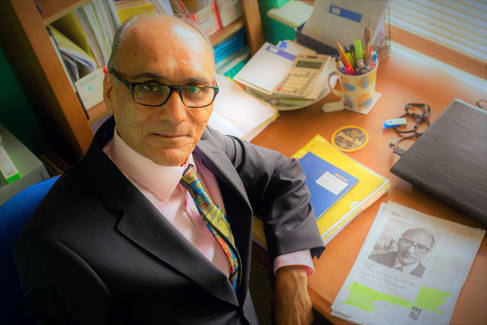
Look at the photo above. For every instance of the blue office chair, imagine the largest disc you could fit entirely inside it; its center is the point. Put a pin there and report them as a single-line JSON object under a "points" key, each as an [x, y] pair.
{"points": [[13, 215]]}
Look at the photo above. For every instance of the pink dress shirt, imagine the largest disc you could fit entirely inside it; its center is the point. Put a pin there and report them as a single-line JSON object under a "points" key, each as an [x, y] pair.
{"points": [[160, 185]]}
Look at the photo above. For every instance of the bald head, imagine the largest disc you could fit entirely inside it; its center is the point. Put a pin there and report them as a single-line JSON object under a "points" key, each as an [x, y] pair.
{"points": [[420, 235], [182, 27]]}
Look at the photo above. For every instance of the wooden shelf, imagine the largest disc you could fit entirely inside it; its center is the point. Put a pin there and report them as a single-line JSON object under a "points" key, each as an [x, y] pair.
{"points": [[222, 34], [55, 9]]}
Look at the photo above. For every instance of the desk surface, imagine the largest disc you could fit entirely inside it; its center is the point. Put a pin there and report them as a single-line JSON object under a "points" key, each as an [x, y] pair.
{"points": [[401, 80]]}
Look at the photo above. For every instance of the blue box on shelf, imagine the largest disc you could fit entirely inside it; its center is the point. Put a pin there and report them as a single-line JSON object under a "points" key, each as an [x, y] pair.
{"points": [[230, 45]]}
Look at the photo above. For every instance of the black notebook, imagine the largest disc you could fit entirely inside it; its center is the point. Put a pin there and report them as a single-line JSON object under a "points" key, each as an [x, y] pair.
{"points": [[450, 159]]}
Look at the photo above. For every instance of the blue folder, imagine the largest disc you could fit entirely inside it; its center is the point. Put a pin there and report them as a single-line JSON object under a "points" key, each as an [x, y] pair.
{"points": [[326, 182]]}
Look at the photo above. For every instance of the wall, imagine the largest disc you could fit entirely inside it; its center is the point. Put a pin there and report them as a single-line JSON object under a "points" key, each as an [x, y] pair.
{"points": [[16, 113]]}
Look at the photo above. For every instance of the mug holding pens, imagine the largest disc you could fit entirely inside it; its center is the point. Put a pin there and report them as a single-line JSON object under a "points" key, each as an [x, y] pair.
{"points": [[357, 71]]}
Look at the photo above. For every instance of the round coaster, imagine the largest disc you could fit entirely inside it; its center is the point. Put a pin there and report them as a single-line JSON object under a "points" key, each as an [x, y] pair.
{"points": [[350, 138]]}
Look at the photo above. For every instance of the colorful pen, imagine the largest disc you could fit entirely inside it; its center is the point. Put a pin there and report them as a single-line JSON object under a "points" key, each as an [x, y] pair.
{"points": [[359, 54], [367, 38], [340, 66], [350, 58], [348, 66]]}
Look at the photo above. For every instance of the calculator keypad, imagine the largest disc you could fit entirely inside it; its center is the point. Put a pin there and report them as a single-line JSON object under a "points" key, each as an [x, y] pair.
{"points": [[296, 83]]}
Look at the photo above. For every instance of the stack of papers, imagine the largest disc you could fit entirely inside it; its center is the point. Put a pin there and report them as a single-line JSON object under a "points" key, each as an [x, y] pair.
{"points": [[410, 269], [237, 113], [78, 61]]}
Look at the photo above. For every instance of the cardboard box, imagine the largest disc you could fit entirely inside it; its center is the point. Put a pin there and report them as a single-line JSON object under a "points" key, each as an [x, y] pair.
{"points": [[229, 11]]}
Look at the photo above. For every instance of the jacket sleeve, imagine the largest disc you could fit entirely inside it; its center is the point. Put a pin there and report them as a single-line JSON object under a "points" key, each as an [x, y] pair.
{"points": [[56, 281], [278, 194]]}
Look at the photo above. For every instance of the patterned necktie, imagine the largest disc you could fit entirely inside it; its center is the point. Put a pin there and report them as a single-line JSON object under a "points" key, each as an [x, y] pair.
{"points": [[215, 220]]}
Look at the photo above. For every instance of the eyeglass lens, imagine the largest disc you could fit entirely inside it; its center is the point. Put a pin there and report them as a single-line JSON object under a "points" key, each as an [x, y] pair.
{"points": [[155, 94], [408, 243]]}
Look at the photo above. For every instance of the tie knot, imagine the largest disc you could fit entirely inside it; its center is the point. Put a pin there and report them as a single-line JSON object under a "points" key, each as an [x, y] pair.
{"points": [[189, 175], [190, 181]]}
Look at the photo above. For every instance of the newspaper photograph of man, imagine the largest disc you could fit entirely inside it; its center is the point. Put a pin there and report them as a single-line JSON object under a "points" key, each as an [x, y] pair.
{"points": [[413, 245]]}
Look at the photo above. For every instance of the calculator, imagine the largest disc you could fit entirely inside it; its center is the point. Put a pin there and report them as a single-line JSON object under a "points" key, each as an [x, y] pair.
{"points": [[299, 81]]}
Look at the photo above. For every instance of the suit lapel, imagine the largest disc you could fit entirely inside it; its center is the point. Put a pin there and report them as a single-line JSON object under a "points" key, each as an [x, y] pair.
{"points": [[237, 206]]}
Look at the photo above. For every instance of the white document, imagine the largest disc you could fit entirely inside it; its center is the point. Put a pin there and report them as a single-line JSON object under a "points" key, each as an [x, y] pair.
{"points": [[266, 68], [344, 21], [90, 88], [409, 271], [237, 113]]}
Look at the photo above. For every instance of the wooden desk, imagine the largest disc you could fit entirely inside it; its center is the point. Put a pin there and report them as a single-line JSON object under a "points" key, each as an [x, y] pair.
{"points": [[401, 80]]}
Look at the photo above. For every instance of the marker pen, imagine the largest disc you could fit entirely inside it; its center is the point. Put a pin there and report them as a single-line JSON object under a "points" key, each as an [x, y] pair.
{"points": [[359, 58], [348, 66]]}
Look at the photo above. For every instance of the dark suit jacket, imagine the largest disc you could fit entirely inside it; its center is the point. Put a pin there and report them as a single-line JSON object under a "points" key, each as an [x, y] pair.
{"points": [[96, 251], [389, 259]]}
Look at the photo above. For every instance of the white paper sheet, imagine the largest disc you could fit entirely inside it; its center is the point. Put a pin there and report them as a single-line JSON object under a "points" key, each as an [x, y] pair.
{"points": [[237, 113]]}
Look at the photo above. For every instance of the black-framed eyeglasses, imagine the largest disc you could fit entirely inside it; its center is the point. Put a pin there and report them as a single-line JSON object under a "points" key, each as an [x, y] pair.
{"points": [[417, 246], [154, 94]]}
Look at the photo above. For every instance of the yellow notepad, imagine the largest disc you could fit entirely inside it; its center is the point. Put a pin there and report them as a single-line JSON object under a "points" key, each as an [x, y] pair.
{"points": [[370, 187]]}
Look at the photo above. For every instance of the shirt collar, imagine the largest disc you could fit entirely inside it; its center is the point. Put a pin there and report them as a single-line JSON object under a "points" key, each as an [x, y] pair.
{"points": [[406, 268], [159, 180]]}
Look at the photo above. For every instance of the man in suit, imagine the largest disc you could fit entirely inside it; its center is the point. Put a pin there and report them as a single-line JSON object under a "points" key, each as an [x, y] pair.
{"points": [[153, 225], [413, 245]]}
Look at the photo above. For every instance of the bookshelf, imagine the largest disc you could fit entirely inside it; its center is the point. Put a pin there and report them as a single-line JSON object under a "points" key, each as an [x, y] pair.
{"points": [[55, 9], [26, 42]]}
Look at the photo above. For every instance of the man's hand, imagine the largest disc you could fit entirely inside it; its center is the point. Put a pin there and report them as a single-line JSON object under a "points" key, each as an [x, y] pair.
{"points": [[292, 304]]}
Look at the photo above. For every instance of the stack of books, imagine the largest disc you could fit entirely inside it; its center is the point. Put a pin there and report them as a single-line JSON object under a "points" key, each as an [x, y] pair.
{"points": [[232, 54], [340, 186], [210, 15]]}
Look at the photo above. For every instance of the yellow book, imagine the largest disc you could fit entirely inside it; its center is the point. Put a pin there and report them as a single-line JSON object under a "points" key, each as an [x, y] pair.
{"points": [[70, 26], [72, 50], [370, 187], [129, 9]]}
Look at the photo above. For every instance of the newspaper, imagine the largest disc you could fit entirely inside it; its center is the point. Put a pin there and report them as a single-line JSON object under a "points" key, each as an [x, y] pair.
{"points": [[409, 271]]}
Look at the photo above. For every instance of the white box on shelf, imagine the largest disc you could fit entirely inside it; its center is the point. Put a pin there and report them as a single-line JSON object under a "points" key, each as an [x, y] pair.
{"points": [[229, 11], [30, 168]]}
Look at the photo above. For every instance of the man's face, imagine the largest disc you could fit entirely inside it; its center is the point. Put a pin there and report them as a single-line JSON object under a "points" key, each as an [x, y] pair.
{"points": [[413, 246], [171, 53]]}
